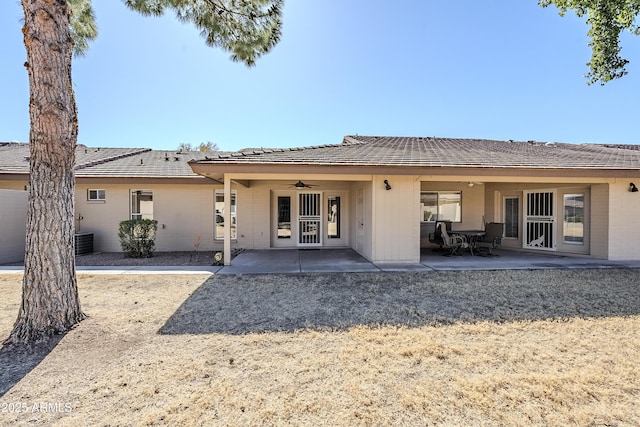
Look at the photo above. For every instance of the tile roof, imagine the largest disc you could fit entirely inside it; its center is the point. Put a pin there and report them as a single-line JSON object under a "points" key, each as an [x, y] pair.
{"points": [[148, 164], [109, 162], [443, 152]]}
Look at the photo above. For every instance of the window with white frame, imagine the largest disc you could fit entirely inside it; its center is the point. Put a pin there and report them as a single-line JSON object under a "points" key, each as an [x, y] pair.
{"points": [[219, 215], [574, 218], [141, 204], [96, 195], [441, 206]]}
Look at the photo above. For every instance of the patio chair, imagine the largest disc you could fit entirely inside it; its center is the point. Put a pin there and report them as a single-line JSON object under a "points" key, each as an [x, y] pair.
{"points": [[452, 243], [436, 236], [492, 238]]}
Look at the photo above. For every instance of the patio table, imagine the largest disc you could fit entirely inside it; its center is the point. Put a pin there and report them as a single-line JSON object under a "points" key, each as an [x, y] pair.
{"points": [[471, 236]]}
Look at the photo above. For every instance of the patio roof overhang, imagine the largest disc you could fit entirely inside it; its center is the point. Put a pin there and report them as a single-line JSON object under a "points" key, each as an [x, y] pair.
{"points": [[263, 171]]}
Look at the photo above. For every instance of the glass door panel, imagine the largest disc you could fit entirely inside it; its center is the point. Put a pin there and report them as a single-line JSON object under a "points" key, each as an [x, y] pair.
{"points": [[573, 224], [284, 217], [333, 217]]}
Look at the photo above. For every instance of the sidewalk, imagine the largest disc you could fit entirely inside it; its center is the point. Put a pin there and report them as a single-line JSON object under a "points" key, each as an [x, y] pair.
{"points": [[152, 269], [291, 261]]}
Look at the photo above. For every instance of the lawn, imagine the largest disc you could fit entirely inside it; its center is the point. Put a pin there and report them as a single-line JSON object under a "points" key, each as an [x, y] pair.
{"points": [[556, 347]]}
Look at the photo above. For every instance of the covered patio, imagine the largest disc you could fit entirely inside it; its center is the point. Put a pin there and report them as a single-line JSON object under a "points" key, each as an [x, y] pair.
{"points": [[382, 196], [347, 260]]}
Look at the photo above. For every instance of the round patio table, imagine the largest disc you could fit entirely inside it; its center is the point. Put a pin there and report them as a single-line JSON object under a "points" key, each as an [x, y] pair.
{"points": [[471, 236]]}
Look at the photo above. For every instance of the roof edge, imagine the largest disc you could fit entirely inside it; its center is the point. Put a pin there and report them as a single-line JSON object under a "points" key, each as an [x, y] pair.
{"points": [[111, 158]]}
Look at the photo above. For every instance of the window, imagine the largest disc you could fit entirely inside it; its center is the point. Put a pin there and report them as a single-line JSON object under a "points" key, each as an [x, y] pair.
{"points": [[141, 204], [219, 215], [284, 217], [441, 205], [574, 218], [333, 218], [94, 195], [511, 217]]}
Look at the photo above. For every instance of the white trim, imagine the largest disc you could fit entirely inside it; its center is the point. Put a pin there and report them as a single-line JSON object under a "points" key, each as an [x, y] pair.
{"points": [[234, 196], [227, 219], [503, 215], [97, 198]]}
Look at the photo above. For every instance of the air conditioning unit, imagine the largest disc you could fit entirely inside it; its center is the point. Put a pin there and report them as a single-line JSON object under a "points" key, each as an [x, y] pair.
{"points": [[84, 243]]}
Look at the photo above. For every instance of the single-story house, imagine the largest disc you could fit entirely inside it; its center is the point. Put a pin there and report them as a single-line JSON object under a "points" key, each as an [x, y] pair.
{"points": [[380, 196]]}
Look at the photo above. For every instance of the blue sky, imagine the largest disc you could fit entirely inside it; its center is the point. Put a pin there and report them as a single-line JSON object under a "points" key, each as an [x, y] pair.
{"points": [[498, 69]]}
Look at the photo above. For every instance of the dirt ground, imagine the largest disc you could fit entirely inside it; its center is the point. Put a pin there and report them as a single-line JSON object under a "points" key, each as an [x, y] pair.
{"points": [[557, 347]]}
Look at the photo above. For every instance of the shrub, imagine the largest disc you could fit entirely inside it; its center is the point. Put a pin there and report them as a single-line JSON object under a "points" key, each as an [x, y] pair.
{"points": [[137, 237]]}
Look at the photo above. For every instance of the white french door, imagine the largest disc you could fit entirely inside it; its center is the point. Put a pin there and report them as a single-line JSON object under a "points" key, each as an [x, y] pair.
{"points": [[540, 220], [309, 219]]}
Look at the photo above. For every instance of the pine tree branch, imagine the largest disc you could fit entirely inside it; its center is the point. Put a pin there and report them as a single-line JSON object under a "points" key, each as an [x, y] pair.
{"points": [[221, 9]]}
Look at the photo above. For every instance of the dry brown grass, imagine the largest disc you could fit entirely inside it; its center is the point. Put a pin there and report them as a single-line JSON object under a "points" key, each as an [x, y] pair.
{"points": [[469, 348]]}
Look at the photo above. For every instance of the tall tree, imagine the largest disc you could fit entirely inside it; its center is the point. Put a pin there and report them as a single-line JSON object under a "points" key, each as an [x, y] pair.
{"points": [[606, 19], [50, 303]]}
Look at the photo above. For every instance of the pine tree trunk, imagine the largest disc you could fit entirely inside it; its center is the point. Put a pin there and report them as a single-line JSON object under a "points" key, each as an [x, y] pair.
{"points": [[50, 303]]}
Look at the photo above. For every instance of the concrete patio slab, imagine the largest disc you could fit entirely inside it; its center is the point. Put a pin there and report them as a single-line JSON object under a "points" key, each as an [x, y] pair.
{"points": [[333, 260], [264, 261], [283, 261], [403, 267], [517, 260]]}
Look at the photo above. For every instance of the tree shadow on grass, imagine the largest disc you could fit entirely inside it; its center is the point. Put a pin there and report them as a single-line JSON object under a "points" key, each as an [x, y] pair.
{"points": [[284, 303], [16, 361]]}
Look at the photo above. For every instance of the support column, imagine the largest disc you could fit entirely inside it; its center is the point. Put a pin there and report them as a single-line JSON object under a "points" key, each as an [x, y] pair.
{"points": [[227, 220]]}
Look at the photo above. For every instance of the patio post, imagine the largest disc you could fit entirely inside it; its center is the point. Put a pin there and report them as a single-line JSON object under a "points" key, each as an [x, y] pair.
{"points": [[227, 220]]}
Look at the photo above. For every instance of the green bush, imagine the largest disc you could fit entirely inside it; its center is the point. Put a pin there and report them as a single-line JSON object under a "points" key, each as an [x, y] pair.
{"points": [[137, 237]]}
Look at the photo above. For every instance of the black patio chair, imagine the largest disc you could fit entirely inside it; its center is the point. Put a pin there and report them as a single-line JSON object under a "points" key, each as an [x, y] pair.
{"points": [[491, 240]]}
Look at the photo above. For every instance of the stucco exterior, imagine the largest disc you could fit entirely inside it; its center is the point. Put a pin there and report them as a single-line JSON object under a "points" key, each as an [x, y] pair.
{"points": [[600, 221], [386, 227], [183, 212], [624, 223], [395, 219], [190, 193], [13, 223]]}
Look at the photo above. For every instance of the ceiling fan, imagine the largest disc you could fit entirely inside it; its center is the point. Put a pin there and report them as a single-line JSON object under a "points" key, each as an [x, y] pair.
{"points": [[300, 185]]}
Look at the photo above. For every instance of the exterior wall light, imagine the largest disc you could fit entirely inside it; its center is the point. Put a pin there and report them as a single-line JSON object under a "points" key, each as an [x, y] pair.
{"points": [[633, 188], [388, 187]]}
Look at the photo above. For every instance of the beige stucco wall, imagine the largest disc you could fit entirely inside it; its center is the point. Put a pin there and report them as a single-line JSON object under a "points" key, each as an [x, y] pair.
{"points": [[183, 212], [391, 219], [396, 219], [600, 221], [13, 184], [624, 222], [13, 223]]}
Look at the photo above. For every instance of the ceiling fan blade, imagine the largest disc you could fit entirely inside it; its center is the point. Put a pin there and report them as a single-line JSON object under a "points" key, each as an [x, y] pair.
{"points": [[301, 184]]}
